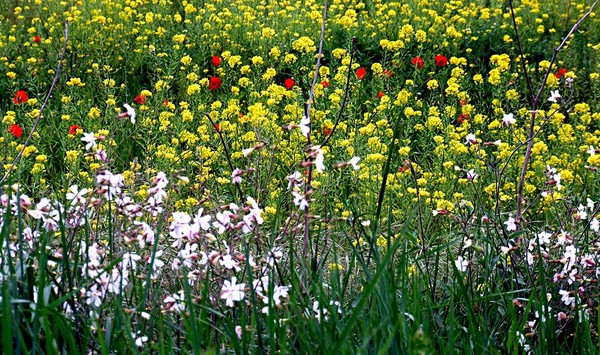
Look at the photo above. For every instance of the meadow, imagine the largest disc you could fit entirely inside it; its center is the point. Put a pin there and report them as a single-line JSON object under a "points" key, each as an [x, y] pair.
{"points": [[280, 176]]}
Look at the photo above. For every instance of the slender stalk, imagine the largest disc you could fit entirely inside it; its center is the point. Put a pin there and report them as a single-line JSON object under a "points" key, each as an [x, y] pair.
{"points": [[346, 92], [311, 96], [44, 104], [227, 153], [535, 104]]}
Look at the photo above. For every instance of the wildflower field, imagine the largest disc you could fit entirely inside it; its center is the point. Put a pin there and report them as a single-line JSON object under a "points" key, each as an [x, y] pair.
{"points": [[279, 176]]}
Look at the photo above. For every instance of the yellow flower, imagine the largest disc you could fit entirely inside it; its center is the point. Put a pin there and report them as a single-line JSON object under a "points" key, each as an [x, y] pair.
{"points": [[336, 267], [94, 113], [193, 89], [377, 68], [304, 44], [339, 53], [75, 82], [512, 95], [275, 52], [186, 60], [71, 156], [179, 38], [494, 77]]}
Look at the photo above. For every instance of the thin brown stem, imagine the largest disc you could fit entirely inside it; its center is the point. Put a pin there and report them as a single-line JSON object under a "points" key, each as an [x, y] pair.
{"points": [[535, 104], [311, 96], [521, 55], [346, 92], [227, 152], [44, 105]]}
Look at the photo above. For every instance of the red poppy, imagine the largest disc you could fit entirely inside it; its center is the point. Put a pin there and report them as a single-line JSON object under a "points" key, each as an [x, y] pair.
{"points": [[289, 83], [441, 61], [140, 99], [325, 83], [464, 117], [380, 94], [216, 60], [463, 102], [73, 129], [387, 73], [37, 39], [218, 127], [361, 73], [214, 83], [403, 169], [418, 61], [20, 97], [561, 72], [15, 130], [166, 103], [326, 131]]}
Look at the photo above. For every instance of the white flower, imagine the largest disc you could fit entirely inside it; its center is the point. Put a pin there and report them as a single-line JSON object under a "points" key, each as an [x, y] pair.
{"points": [[202, 221], [543, 238], [89, 139], [591, 151], [294, 180], [468, 243], [300, 200], [246, 152], [236, 176], [223, 221], [470, 139], [554, 96], [590, 204], [461, 264], [94, 296], [305, 126], [174, 303], [130, 112], [130, 260], [139, 340], [508, 120], [472, 175], [511, 224], [229, 263], [319, 159], [595, 225], [556, 178], [232, 292], [100, 155], [354, 162], [581, 212]]}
